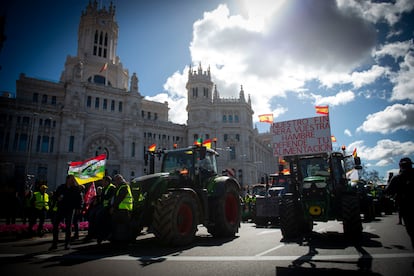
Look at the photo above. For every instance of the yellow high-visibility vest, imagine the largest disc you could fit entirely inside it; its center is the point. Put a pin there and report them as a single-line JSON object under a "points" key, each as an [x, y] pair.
{"points": [[105, 202], [41, 200], [127, 202]]}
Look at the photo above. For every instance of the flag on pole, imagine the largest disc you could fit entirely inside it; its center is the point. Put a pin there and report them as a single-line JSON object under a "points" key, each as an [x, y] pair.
{"points": [[266, 118], [322, 109], [104, 67], [198, 142], [89, 196], [333, 138], [207, 143], [90, 170], [152, 148], [354, 153]]}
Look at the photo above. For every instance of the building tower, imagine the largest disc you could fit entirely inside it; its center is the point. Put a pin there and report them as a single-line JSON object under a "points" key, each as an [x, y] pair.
{"points": [[96, 61], [201, 117]]}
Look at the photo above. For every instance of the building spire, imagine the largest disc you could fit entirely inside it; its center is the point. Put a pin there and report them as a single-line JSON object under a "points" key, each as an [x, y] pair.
{"points": [[241, 95]]}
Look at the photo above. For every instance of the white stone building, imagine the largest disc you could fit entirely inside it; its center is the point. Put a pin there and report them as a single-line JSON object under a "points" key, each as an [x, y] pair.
{"points": [[97, 107]]}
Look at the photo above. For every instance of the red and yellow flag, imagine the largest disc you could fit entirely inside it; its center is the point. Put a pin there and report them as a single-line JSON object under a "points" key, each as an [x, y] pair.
{"points": [[207, 143], [354, 153], [266, 118], [333, 138], [322, 109], [104, 67], [152, 148]]}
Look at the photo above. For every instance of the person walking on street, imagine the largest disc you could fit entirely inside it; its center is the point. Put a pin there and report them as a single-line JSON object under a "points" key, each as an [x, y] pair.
{"points": [[77, 216], [69, 199], [40, 207], [121, 210], [402, 185]]}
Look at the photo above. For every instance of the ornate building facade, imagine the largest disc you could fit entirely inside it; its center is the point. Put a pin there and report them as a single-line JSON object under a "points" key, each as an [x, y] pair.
{"points": [[97, 107]]}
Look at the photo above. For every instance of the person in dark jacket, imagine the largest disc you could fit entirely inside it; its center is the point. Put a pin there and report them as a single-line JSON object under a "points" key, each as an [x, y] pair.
{"points": [[402, 185], [69, 199]]}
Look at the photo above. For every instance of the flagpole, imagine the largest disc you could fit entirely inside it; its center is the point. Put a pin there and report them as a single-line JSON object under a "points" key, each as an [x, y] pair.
{"points": [[106, 75]]}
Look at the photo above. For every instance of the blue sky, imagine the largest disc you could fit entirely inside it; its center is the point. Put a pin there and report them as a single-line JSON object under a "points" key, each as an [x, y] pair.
{"points": [[355, 56]]}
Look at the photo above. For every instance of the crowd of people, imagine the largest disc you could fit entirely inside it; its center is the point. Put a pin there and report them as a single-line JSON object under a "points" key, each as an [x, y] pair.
{"points": [[107, 212]]}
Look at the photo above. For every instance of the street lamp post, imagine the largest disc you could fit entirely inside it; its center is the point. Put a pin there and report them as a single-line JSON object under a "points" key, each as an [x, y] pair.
{"points": [[30, 145]]}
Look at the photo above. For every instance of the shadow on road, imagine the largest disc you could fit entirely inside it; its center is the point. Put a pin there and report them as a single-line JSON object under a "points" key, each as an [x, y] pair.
{"points": [[331, 240], [147, 251], [303, 271]]}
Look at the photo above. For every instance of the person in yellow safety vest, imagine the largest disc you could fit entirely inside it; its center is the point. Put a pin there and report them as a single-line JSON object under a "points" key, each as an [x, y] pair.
{"points": [[103, 218], [121, 210], [40, 204]]}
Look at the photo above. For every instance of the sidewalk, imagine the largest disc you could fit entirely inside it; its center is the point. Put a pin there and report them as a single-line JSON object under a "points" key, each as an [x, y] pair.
{"points": [[19, 231]]}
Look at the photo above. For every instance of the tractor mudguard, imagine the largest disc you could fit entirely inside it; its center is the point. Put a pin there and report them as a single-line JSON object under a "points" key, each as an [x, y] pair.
{"points": [[217, 186]]}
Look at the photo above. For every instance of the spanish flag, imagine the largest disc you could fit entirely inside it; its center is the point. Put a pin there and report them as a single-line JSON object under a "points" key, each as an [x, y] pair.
{"points": [[354, 153], [104, 67], [333, 138], [266, 118], [322, 109], [152, 148], [207, 143]]}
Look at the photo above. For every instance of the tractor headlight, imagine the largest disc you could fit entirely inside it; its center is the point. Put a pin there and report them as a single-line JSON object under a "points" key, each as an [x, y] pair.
{"points": [[307, 185], [320, 185]]}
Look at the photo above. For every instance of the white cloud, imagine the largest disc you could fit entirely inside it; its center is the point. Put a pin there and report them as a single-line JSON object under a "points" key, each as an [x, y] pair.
{"points": [[341, 98], [379, 11], [348, 133], [279, 57], [357, 78], [396, 49], [391, 119], [279, 110], [385, 152], [404, 80]]}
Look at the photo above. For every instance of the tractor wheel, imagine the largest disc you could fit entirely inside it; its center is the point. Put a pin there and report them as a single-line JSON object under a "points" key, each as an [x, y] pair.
{"points": [[226, 213], [175, 219], [290, 221], [351, 217]]}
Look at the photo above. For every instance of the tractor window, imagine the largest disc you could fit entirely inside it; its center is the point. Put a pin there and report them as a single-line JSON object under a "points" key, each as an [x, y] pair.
{"points": [[176, 161], [314, 167], [208, 164]]}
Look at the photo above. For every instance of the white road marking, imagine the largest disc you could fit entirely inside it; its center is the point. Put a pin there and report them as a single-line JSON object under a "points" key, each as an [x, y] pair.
{"points": [[218, 258], [272, 231]]}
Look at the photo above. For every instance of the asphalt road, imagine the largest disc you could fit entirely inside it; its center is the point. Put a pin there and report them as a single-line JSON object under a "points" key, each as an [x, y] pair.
{"points": [[384, 250]]}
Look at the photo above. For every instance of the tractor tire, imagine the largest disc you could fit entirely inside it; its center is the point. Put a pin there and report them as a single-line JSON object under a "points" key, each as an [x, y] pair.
{"points": [[175, 219], [351, 217], [225, 213], [290, 220]]}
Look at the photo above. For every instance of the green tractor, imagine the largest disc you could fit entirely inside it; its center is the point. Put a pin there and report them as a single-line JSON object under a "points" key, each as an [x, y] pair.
{"points": [[187, 192], [320, 191]]}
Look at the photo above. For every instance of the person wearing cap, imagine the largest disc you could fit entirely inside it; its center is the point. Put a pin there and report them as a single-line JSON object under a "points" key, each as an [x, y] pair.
{"points": [[40, 204], [402, 186]]}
